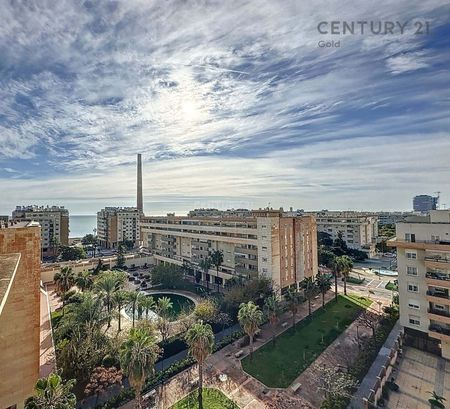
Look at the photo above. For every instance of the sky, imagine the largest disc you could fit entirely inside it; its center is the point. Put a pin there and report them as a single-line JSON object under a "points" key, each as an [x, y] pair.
{"points": [[231, 103]]}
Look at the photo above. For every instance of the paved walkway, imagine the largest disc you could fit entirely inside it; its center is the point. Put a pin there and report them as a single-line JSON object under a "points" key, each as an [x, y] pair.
{"points": [[47, 361]]}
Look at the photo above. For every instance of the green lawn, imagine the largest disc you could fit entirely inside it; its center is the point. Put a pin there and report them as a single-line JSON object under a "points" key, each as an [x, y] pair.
{"points": [[391, 286], [212, 399], [278, 365]]}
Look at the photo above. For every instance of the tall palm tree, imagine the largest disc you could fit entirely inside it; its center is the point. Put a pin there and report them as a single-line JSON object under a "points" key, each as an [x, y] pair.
{"points": [[106, 285], [52, 392], [250, 317], [84, 280], [134, 298], [293, 300], [272, 309], [200, 339], [323, 284], [138, 355], [147, 304], [336, 271], [346, 265], [205, 264], [309, 288], [64, 281], [164, 307], [120, 299], [217, 260]]}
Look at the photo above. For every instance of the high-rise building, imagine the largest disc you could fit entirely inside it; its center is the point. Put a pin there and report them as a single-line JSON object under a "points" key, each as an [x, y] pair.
{"points": [[54, 221], [424, 203], [19, 311], [423, 257], [267, 243], [118, 224]]}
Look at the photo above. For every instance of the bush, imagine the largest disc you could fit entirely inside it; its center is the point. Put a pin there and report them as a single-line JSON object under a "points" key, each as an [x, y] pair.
{"points": [[334, 403]]}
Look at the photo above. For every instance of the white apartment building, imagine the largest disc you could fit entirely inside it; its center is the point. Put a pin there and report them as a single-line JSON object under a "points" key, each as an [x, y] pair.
{"points": [[54, 221], [359, 230], [266, 243], [423, 256], [118, 224]]}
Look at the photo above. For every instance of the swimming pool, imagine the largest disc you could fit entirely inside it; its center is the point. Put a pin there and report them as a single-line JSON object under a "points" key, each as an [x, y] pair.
{"points": [[388, 273]]}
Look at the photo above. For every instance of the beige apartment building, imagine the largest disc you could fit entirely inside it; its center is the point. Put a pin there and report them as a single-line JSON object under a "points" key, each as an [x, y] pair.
{"points": [[267, 243], [118, 224], [19, 312], [54, 221], [359, 230], [423, 256]]}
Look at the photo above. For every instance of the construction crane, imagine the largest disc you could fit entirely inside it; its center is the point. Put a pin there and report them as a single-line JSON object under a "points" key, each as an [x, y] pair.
{"points": [[437, 199]]}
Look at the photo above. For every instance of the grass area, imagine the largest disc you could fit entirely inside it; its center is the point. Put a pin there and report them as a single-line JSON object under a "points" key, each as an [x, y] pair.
{"points": [[391, 286], [212, 399], [355, 280], [277, 365]]}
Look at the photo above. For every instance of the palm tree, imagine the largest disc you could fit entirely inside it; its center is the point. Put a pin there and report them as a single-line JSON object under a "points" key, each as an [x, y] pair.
{"points": [[200, 339], [272, 309], [52, 392], [84, 280], [163, 307], [217, 260], [323, 284], [120, 299], [138, 355], [250, 317], [205, 264], [147, 304], [346, 266], [106, 285], [293, 299], [64, 281], [134, 298], [309, 288], [336, 271]]}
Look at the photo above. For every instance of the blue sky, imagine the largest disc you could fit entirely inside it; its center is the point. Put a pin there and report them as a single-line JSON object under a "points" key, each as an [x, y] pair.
{"points": [[232, 104]]}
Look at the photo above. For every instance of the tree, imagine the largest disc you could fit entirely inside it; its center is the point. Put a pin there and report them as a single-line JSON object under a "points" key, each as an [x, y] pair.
{"points": [[64, 281], [200, 340], [309, 288], [106, 285], [272, 309], [54, 242], [345, 266], [147, 303], [89, 240], [250, 317], [370, 320], [217, 260], [334, 384], [323, 284], [120, 299], [84, 280], [138, 355], [293, 299], [167, 276], [336, 272], [164, 307], [206, 311], [436, 401], [134, 298], [101, 379], [324, 239], [52, 392], [72, 253], [120, 263], [326, 256], [205, 264]]}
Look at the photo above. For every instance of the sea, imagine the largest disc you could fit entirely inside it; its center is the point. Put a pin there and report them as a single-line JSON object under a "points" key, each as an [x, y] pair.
{"points": [[80, 225]]}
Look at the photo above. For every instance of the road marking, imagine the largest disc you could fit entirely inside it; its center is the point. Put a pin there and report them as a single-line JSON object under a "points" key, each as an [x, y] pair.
{"points": [[382, 282], [370, 282]]}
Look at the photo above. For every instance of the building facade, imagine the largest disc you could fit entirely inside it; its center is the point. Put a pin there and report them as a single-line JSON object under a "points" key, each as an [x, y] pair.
{"points": [[359, 230], [118, 224], [385, 218], [19, 312], [54, 221], [423, 257], [266, 243], [424, 203]]}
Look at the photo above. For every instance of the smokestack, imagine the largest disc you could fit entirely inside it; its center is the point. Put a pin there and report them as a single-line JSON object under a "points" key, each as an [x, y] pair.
{"points": [[140, 204]]}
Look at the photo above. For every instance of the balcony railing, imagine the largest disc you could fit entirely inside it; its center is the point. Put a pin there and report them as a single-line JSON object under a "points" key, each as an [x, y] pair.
{"points": [[437, 276], [437, 259], [438, 294], [439, 329], [442, 313]]}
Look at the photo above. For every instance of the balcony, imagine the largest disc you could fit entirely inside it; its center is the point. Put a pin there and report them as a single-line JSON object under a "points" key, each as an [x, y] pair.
{"points": [[437, 279], [438, 245], [438, 297], [436, 331], [439, 315], [439, 262]]}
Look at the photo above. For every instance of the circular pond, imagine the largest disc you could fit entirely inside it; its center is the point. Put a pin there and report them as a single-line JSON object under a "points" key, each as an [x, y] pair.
{"points": [[180, 303]]}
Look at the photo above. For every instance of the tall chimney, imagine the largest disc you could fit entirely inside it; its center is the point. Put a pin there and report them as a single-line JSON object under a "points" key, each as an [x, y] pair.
{"points": [[140, 204]]}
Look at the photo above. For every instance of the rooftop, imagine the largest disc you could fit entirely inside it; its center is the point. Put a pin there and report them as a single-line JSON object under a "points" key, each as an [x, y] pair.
{"points": [[8, 266], [18, 224]]}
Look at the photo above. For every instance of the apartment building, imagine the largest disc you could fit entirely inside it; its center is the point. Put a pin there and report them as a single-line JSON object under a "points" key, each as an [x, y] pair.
{"points": [[425, 203], [54, 221], [423, 256], [359, 230], [283, 249], [211, 212], [118, 224], [391, 217], [19, 311]]}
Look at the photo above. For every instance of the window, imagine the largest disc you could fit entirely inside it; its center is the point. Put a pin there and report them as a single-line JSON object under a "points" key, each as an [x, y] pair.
{"points": [[439, 307], [264, 247], [413, 288], [414, 320], [411, 255], [410, 237], [413, 304], [411, 271], [264, 259]]}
